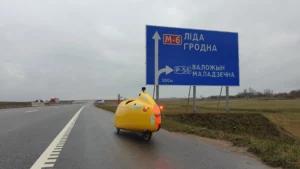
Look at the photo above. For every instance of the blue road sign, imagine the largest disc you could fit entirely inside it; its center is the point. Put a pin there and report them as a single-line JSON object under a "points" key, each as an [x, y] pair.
{"points": [[99, 101], [178, 56]]}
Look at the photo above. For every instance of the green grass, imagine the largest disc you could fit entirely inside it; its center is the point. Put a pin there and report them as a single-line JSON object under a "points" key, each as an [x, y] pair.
{"points": [[7, 105], [273, 151], [290, 121], [260, 105], [283, 113], [269, 128]]}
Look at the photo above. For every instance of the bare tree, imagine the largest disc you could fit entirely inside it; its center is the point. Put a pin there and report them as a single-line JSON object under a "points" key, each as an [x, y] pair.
{"points": [[268, 92]]}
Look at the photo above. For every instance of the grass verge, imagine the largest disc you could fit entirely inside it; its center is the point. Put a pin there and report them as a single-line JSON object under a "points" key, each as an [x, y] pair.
{"points": [[272, 144], [7, 105]]}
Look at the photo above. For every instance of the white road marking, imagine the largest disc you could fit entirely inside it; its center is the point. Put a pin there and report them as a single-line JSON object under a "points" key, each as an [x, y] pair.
{"points": [[48, 165], [55, 153], [48, 153], [51, 161], [53, 157], [29, 111]]}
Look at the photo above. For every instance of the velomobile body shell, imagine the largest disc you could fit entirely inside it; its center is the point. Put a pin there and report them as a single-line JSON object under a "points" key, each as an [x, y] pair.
{"points": [[140, 114]]}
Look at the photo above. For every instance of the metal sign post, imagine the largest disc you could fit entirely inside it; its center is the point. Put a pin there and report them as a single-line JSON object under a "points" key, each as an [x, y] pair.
{"points": [[194, 99], [227, 99], [188, 101], [157, 94]]}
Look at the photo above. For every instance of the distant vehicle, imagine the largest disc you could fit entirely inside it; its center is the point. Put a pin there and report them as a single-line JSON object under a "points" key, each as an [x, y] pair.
{"points": [[140, 114], [54, 100]]}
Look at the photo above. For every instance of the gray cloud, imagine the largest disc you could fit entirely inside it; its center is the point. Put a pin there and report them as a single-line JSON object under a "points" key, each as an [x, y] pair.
{"points": [[65, 48]]}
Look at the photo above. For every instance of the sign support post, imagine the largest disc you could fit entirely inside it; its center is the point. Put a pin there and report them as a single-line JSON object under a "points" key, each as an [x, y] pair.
{"points": [[219, 99], [194, 98], [188, 100], [227, 99], [157, 94]]}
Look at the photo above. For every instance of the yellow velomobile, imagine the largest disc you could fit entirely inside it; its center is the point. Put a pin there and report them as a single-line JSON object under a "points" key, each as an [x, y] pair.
{"points": [[140, 114]]}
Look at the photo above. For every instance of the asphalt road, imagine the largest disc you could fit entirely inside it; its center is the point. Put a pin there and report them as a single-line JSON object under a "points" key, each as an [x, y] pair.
{"points": [[77, 137]]}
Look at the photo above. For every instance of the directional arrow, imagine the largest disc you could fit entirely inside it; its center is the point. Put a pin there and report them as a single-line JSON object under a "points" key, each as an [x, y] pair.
{"points": [[167, 70], [156, 38]]}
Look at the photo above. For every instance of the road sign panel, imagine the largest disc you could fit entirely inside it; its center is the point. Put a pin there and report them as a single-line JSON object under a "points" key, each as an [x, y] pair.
{"points": [[178, 56], [99, 101]]}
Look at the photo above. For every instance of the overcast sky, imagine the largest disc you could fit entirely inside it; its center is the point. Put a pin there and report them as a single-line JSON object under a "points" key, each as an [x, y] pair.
{"points": [[61, 48]]}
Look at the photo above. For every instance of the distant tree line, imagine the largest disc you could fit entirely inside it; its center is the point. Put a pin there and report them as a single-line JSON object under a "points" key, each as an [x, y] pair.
{"points": [[291, 95], [266, 93], [269, 93], [254, 93]]}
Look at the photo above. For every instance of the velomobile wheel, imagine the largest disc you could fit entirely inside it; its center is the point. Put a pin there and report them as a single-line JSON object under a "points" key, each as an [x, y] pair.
{"points": [[147, 135], [118, 130]]}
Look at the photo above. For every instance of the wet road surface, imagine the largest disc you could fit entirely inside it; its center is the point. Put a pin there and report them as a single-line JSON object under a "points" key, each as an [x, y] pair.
{"points": [[79, 137]]}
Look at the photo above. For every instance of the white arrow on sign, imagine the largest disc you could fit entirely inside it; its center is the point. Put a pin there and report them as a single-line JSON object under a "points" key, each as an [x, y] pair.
{"points": [[167, 70], [156, 38]]}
